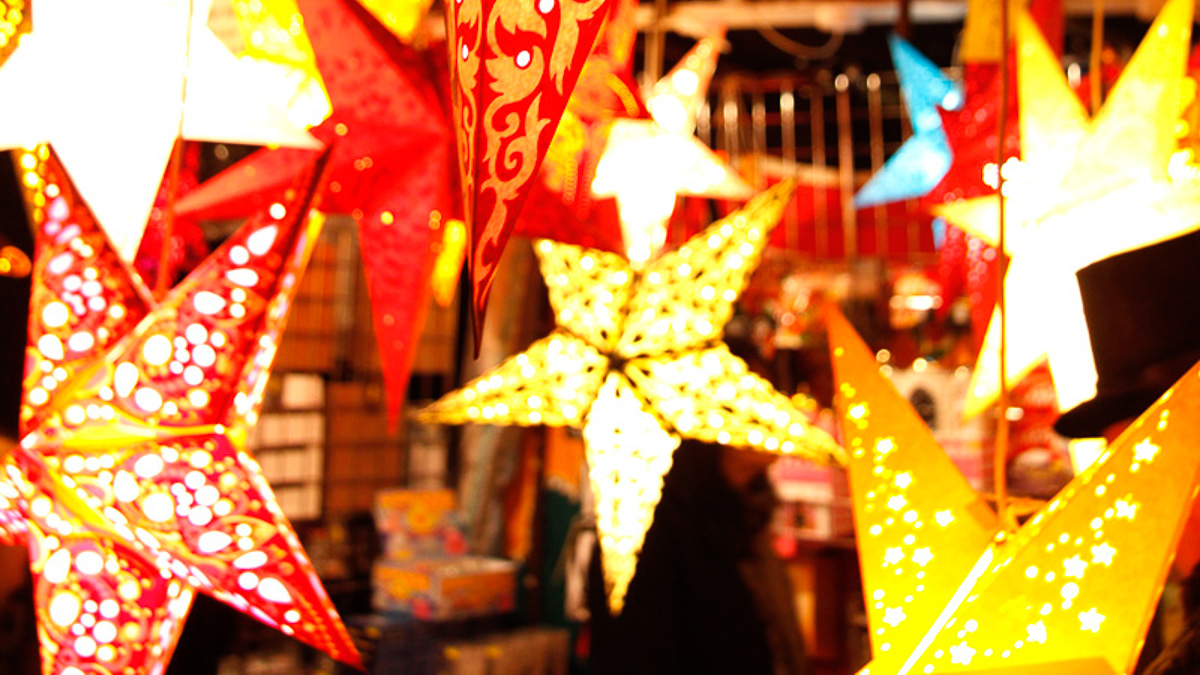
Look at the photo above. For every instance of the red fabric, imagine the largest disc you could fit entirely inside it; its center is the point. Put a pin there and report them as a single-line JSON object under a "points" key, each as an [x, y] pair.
{"points": [[514, 66], [390, 169]]}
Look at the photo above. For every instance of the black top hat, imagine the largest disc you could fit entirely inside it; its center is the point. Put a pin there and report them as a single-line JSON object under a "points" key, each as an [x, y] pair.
{"points": [[1143, 314]]}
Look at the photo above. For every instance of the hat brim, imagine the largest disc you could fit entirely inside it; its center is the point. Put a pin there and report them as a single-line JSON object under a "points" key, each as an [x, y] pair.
{"points": [[1090, 418]]}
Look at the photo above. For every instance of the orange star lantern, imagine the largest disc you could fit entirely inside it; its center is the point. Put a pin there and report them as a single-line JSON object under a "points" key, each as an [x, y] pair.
{"points": [[638, 363], [948, 591], [132, 485]]}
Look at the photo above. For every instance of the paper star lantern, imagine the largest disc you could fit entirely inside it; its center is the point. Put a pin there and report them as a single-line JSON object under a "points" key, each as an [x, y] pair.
{"points": [[924, 158], [1082, 191], [103, 83], [637, 361], [646, 163], [390, 170], [15, 21], [1072, 591], [273, 38], [513, 66], [133, 483]]}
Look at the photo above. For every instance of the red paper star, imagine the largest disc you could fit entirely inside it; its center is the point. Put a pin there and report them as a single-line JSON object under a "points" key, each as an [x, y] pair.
{"points": [[132, 485], [389, 170], [513, 67]]}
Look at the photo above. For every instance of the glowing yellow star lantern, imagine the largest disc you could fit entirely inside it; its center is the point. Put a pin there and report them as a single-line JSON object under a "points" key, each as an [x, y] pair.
{"points": [[1084, 190], [637, 361], [132, 484], [15, 20], [274, 40], [647, 163], [1072, 591], [104, 83]]}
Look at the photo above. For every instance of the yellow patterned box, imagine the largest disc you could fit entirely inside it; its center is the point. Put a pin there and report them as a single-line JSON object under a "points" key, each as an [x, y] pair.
{"points": [[418, 523], [445, 588]]}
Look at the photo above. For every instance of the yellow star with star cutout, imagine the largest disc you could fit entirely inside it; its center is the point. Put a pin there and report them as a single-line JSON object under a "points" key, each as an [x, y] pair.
{"points": [[1083, 190], [637, 361], [1072, 591]]}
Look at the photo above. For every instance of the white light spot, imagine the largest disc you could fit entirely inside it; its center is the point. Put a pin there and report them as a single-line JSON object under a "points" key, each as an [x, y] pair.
{"points": [[211, 542], [105, 632], [271, 589], [523, 58], [60, 263], [200, 516], [85, 647], [545, 6], [148, 399], [125, 488], [196, 334], [57, 567], [260, 242], [208, 303], [207, 495], [81, 341], [251, 560], [89, 563], [158, 508], [193, 375], [157, 350], [243, 276], [204, 356], [55, 315], [64, 608], [148, 466], [125, 379], [277, 211], [50, 347]]}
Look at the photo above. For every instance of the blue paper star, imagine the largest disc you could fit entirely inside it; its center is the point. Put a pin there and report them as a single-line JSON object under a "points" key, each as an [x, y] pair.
{"points": [[919, 165]]}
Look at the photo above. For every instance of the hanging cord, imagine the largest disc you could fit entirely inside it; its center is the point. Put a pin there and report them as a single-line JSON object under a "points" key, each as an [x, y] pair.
{"points": [[163, 280], [1000, 453], [1094, 77], [799, 49]]}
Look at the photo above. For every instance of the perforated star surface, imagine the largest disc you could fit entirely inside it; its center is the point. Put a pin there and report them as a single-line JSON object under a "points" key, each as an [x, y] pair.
{"points": [[390, 171], [132, 485], [1072, 591], [513, 65], [637, 361]]}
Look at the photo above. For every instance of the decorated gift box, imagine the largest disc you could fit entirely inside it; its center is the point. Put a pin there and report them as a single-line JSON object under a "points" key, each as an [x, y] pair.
{"points": [[418, 523], [445, 588]]}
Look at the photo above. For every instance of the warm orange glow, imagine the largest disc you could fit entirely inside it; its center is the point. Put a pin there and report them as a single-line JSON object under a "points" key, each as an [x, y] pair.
{"points": [[948, 591]]}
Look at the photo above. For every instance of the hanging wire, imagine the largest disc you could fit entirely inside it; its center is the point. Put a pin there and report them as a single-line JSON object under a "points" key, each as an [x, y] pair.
{"points": [[163, 280], [1094, 77], [799, 49], [1000, 452]]}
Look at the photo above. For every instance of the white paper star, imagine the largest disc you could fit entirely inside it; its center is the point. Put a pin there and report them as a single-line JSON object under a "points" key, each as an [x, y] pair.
{"points": [[104, 83]]}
